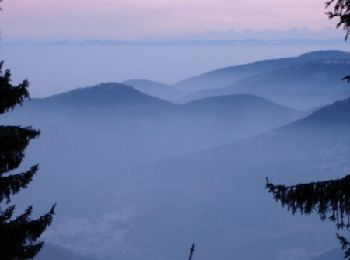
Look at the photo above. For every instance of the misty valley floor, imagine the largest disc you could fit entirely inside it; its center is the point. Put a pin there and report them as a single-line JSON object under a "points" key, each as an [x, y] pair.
{"points": [[141, 170]]}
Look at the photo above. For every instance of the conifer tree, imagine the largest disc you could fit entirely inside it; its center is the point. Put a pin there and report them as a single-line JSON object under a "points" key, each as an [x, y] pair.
{"points": [[19, 234], [329, 199]]}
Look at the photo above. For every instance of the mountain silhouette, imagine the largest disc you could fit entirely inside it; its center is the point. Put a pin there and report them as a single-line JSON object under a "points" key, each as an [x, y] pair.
{"points": [[310, 80], [155, 89], [226, 76], [105, 94], [147, 121], [239, 104], [196, 171]]}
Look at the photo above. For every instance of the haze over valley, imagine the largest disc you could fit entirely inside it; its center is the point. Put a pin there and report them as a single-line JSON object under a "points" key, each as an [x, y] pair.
{"points": [[58, 68], [142, 169], [173, 130]]}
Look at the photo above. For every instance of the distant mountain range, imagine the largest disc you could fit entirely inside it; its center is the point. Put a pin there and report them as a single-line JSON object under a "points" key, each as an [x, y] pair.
{"points": [[100, 153], [141, 121], [139, 177], [310, 80], [192, 42], [221, 78], [227, 37]]}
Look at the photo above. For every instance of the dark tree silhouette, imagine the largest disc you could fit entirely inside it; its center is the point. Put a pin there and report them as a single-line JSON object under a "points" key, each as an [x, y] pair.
{"points": [[340, 10], [19, 235], [329, 199]]}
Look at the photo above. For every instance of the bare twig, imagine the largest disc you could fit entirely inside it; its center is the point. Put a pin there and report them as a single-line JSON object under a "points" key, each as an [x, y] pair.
{"points": [[191, 252]]}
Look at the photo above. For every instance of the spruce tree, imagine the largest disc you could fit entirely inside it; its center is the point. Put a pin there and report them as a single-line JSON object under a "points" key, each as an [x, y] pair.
{"points": [[19, 235], [329, 199]]}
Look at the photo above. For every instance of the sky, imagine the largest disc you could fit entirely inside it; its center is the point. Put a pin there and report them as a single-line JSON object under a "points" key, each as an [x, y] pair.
{"points": [[136, 19]]}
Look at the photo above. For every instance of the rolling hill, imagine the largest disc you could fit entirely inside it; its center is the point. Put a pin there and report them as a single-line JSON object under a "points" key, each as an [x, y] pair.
{"points": [[301, 86], [223, 77], [100, 96], [130, 122], [216, 197], [155, 89], [127, 207], [226, 76], [310, 80]]}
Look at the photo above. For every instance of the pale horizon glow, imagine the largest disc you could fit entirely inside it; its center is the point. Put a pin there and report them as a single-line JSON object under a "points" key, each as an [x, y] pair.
{"points": [[135, 19], [52, 69]]}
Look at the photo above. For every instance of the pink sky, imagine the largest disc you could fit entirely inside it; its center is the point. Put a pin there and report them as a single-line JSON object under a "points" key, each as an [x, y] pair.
{"points": [[130, 19]]}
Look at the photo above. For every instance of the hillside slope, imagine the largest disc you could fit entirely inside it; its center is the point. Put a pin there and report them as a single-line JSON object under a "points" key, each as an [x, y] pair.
{"points": [[139, 128], [217, 198], [310, 80], [155, 89], [214, 197], [226, 76], [300, 86]]}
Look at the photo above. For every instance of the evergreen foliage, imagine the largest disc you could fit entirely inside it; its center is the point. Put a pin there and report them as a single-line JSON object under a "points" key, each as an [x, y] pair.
{"points": [[329, 199], [19, 235], [341, 11]]}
